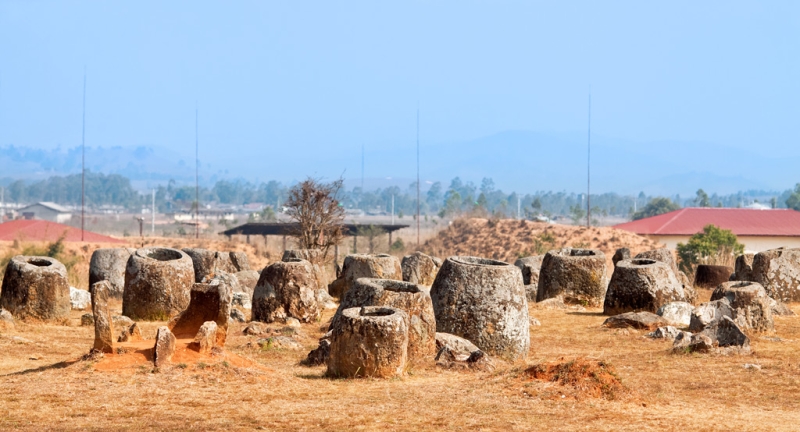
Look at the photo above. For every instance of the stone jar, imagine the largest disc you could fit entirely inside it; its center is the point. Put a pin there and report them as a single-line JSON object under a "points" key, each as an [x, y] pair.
{"points": [[530, 267], [579, 275], [641, 285], [419, 268], [778, 271], [380, 266], [36, 287], [157, 284], [286, 289], [109, 264], [484, 301]]}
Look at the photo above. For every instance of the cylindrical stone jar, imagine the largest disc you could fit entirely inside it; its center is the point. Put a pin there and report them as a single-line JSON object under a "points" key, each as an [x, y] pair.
{"points": [[483, 301], [109, 264], [379, 266], [369, 342], [286, 289], [530, 267], [579, 275], [35, 287], [750, 304], [641, 285], [710, 276], [157, 284], [414, 299]]}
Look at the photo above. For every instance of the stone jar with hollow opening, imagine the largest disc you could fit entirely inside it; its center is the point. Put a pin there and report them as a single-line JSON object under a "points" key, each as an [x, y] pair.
{"points": [[35, 287], [641, 284], [577, 275], [157, 284], [483, 301], [380, 266], [414, 299], [369, 341]]}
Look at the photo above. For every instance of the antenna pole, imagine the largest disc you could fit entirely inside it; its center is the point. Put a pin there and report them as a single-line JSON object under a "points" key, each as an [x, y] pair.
{"points": [[418, 243], [196, 178], [83, 157], [588, 167]]}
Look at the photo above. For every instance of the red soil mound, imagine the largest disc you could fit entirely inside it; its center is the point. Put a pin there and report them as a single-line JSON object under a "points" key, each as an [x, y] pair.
{"points": [[583, 377]]}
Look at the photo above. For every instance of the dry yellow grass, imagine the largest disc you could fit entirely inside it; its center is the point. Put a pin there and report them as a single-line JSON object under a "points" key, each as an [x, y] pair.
{"points": [[56, 391]]}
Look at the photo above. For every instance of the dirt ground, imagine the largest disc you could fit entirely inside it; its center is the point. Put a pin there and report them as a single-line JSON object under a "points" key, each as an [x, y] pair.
{"points": [[46, 385]]}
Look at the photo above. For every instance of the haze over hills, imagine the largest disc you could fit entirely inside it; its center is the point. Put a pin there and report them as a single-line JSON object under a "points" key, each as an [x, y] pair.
{"points": [[522, 161]]}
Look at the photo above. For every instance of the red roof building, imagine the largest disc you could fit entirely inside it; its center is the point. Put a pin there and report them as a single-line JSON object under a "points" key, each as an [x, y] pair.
{"points": [[41, 230], [757, 229]]}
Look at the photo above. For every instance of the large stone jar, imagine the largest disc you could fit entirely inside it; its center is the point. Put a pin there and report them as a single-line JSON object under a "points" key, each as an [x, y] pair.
{"points": [[420, 268], [380, 266], [641, 285], [578, 275], [483, 301], [109, 264], [530, 267], [286, 289], [778, 271], [157, 284], [35, 287]]}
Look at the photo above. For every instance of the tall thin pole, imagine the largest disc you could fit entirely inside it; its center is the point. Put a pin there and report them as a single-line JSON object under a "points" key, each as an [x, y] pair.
{"points": [[588, 167], [83, 157], [392, 209], [418, 243], [153, 220], [196, 178]]}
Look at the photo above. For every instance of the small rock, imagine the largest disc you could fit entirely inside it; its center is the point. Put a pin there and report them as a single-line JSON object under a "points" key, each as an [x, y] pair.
{"points": [[87, 319], [21, 340], [535, 322], [700, 343], [254, 329], [130, 334], [241, 299], [237, 316], [779, 308], [751, 366], [677, 313], [79, 299], [206, 337], [667, 332], [551, 303], [458, 345], [6, 320], [280, 342], [319, 355], [164, 347], [292, 322], [637, 320], [325, 300], [121, 321]]}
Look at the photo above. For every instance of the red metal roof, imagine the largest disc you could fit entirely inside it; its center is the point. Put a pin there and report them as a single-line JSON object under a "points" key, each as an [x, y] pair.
{"points": [[747, 222], [41, 230]]}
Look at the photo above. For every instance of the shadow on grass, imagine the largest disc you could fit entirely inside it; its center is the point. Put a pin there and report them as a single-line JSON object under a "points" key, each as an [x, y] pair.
{"points": [[59, 365], [587, 313]]}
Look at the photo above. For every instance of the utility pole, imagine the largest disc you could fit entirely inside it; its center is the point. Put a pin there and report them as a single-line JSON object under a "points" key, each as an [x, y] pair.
{"points": [[83, 157], [418, 243], [153, 221], [392, 209], [519, 207], [196, 178], [588, 166]]}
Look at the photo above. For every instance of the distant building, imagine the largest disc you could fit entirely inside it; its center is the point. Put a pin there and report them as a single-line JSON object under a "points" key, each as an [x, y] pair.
{"points": [[45, 211], [757, 229]]}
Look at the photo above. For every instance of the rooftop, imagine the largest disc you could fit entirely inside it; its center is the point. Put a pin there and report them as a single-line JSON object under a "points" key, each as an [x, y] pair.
{"points": [[41, 230], [741, 221]]}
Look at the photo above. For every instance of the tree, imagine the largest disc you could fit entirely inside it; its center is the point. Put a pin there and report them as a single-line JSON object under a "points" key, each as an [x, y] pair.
{"points": [[713, 245], [702, 199], [315, 207], [793, 202], [655, 207]]}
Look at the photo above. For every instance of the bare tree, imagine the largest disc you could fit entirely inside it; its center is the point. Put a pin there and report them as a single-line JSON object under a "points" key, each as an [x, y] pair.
{"points": [[314, 206]]}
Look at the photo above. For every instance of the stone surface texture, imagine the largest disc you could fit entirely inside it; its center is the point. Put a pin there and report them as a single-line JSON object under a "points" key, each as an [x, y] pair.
{"points": [[109, 264], [157, 284], [206, 338], [207, 262], [79, 299], [314, 256], [577, 275], [414, 299], [710, 276], [369, 342], [677, 313], [419, 268], [743, 269], [164, 348], [248, 279], [778, 271], [637, 320], [286, 289], [35, 287], [209, 302], [621, 254], [750, 304], [707, 313], [457, 345], [104, 336], [641, 284], [530, 267], [483, 301], [356, 266]]}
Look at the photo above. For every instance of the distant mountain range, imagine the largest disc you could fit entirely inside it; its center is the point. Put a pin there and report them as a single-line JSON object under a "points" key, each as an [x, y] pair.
{"points": [[520, 161]]}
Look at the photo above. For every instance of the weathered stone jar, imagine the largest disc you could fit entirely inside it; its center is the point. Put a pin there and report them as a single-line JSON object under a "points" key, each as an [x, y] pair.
{"points": [[579, 275], [411, 298], [530, 267], [209, 262], [380, 266], [420, 268], [749, 303], [641, 285], [35, 287], [710, 276], [109, 264], [483, 301], [157, 284], [209, 302], [369, 342], [286, 289], [778, 271]]}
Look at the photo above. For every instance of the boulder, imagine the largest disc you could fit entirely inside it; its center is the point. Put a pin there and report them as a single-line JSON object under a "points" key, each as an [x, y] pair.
{"points": [[87, 319], [483, 301], [419, 268], [286, 289], [677, 313], [319, 355], [621, 254], [708, 313], [206, 338], [6, 320], [248, 279], [35, 287], [743, 269], [371, 341], [689, 293], [324, 300], [164, 347], [667, 332], [687, 342], [209, 302], [637, 320], [109, 264], [103, 324], [157, 284], [237, 316], [132, 333], [79, 299], [239, 261], [412, 298], [641, 284], [779, 308], [254, 329], [578, 275], [356, 266], [121, 321], [279, 342], [207, 262], [710, 276], [454, 344], [530, 267], [242, 300], [778, 271], [751, 306], [317, 259], [725, 333]]}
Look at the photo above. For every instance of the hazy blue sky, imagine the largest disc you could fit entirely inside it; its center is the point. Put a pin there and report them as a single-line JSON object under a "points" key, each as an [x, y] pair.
{"points": [[326, 77]]}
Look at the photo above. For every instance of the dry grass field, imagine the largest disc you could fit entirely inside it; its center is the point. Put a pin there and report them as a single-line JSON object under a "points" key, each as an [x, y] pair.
{"points": [[47, 386]]}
